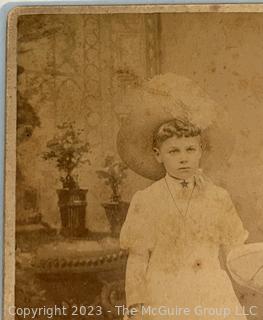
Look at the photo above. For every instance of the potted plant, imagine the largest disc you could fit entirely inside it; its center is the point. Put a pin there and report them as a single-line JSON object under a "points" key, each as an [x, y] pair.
{"points": [[114, 173], [68, 150]]}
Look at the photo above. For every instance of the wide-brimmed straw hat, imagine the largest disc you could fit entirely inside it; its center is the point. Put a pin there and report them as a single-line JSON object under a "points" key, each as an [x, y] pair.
{"points": [[161, 99]]}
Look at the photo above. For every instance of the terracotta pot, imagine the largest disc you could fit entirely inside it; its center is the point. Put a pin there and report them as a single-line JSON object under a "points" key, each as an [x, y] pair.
{"points": [[116, 213], [72, 204]]}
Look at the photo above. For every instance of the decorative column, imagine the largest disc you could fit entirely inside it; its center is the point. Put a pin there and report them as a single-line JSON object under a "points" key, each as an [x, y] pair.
{"points": [[152, 39]]}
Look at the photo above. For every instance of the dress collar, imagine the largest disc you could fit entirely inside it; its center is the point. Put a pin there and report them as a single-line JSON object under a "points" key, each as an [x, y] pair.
{"points": [[180, 183], [199, 179]]}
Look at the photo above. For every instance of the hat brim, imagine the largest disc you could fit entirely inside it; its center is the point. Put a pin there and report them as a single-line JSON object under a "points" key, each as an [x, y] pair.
{"points": [[135, 137]]}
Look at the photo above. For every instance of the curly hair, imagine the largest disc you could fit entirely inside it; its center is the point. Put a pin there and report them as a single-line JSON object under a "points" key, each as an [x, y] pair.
{"points": [[175, 127]]}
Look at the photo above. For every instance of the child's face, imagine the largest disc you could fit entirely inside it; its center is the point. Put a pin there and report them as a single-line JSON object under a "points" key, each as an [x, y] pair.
{"points": [[180, 156]]}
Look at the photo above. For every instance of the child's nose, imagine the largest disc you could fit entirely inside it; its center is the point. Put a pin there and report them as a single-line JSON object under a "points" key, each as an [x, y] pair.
{"points": [[183, 161]]}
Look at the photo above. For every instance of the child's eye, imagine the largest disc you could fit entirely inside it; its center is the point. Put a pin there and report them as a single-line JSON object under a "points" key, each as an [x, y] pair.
{"points": [[191, 149], [173, 151]]}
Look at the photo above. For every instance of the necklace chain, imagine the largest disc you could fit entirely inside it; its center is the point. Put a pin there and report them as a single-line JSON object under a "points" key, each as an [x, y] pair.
{"points": [[188, 203]]}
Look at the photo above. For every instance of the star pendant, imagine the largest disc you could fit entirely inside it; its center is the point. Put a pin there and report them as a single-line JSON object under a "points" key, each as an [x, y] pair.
{"points": [[184, 184]]}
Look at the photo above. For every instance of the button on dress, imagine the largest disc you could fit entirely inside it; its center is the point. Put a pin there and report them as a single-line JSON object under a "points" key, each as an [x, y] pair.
{"points": [[174, 254]]}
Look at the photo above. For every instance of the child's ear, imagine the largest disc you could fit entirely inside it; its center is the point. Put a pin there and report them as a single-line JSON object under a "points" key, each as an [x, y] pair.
{"points": [[204, 144], [157, 155]]}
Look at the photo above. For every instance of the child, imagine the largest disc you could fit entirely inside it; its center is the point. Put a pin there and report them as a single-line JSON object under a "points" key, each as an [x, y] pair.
{"points": [[175, 228]]}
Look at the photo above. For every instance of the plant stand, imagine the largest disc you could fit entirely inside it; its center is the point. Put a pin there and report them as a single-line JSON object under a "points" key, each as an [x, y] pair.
{"points": [[72, 204]]}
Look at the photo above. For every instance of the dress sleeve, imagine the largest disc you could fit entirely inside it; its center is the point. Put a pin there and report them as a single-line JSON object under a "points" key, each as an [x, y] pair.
{"points": [[233, 231], [137, 235], [138, 230]]}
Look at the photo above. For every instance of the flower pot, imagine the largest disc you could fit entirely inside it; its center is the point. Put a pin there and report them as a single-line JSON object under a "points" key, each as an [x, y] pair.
{"points": [[116, 213], [72, 204]]}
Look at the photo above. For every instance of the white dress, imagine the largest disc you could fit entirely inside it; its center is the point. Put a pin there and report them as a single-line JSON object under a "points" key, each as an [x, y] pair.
{"points": [[174, 257]]}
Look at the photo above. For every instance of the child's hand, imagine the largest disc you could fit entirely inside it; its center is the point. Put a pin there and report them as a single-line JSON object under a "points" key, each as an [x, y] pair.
{"points": [[135, 312], [137, 316]]}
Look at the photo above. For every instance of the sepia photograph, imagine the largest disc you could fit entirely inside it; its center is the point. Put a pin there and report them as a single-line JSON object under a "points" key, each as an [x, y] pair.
{"points": [[134, 166]]}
